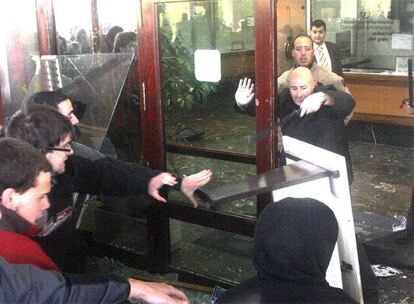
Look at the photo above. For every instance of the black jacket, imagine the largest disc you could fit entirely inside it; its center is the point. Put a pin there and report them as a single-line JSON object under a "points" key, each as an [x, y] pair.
{"points": [[293, 243], [60, 239], [29, 284], [335, 55], [324, 128]]}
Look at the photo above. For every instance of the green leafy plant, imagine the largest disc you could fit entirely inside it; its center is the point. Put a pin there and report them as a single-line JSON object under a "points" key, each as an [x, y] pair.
{"points": [[180, 88]]}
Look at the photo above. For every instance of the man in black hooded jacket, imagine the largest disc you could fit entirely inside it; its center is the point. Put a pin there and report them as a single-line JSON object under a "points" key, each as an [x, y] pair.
{"points": [[293, 244]]}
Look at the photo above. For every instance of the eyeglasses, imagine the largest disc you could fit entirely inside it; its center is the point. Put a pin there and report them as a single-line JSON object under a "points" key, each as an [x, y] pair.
{"points": [[59, 149], [66, 148]]}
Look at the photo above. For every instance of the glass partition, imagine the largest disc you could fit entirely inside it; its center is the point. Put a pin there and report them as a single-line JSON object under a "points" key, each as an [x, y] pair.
{"points": [[73, 27], [207, 108], [95, 26], [374, 36], [93, 83], [200, 113], [19, 51], [291, 21], [232, 253], [205, 48], [224, 171]]}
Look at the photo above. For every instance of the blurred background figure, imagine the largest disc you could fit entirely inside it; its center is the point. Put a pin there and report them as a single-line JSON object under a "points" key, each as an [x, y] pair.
{"points": [[84, 42], [125, 42], [110, 38]]}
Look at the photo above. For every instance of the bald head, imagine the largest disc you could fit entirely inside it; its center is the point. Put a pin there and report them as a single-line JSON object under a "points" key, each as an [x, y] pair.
{"points": [[300, 72], [301, 84]]}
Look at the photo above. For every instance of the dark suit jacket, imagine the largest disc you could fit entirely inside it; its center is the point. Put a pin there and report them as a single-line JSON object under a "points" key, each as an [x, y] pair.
{"points": [[335, 56]]}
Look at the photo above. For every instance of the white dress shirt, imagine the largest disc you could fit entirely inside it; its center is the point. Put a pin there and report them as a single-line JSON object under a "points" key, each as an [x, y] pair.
{"points": [[325, 53]]}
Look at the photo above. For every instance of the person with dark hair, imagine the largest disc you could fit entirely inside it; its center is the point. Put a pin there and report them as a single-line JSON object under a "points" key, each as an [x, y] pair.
{"points": [[63, 104], [327, 53], [52, 133], [25, 181], [125, 42], [56, 100], [84, 41], [293, 243], [110, 38]]}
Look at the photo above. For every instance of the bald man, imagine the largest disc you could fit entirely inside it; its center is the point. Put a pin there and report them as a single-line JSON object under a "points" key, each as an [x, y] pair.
{"points": [[304, 55], [322, 112]]}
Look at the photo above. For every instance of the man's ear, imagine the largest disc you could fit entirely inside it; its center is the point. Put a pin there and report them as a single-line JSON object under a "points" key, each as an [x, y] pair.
{"points": [[7, 199]]}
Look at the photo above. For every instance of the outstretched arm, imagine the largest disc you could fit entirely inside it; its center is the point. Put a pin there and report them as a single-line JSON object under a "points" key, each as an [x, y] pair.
{"points": [[29, 284], [188, 184]]}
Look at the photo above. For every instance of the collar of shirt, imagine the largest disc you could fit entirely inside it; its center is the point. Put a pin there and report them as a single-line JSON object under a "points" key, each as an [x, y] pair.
{"points": [[325, 52], [315, 46]]}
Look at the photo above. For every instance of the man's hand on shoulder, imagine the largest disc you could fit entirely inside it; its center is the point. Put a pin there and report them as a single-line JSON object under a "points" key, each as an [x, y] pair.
{"points": [[245, 92]]}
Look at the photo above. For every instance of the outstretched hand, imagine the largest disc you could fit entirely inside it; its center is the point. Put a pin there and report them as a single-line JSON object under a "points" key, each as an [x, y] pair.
{"points": [[192, 182], [245, 92], [157, 182], [156, 293]]}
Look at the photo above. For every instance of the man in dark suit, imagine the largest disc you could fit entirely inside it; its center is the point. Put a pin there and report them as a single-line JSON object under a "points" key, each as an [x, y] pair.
{"points": [[327, 54]]}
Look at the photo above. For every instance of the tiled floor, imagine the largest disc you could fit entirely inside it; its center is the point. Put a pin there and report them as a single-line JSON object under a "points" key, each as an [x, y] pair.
{"points": [[382, 188]]}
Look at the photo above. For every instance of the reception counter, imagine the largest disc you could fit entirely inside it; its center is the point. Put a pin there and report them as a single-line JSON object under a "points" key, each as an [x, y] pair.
{"points": [[378, 97]]}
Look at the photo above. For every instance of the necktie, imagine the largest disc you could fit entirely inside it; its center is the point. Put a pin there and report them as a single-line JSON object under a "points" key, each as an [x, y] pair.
{"points": [[322, 58]]}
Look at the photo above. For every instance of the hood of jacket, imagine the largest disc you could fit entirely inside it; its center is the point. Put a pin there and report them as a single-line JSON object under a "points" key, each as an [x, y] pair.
{"points": [[294, 240]]}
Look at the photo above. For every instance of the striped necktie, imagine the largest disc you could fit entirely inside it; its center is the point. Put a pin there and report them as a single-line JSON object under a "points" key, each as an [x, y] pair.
{"points": [[322, 58]]}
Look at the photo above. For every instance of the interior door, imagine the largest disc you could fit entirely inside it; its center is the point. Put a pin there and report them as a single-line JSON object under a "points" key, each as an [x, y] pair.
{"points": [[195, 54]]}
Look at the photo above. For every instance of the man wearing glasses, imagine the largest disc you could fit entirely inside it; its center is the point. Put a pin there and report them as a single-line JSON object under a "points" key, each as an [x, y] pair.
{"points": [[51, 133], [25, 181]]}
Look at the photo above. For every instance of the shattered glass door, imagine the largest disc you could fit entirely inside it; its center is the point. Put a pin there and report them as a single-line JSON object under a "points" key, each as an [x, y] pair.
{"points": [[94, 84]]}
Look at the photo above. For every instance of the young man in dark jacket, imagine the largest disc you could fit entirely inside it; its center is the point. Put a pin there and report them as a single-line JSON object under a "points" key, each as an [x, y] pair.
{"points": [[293, 243], [51, 133], [25, 181]]}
